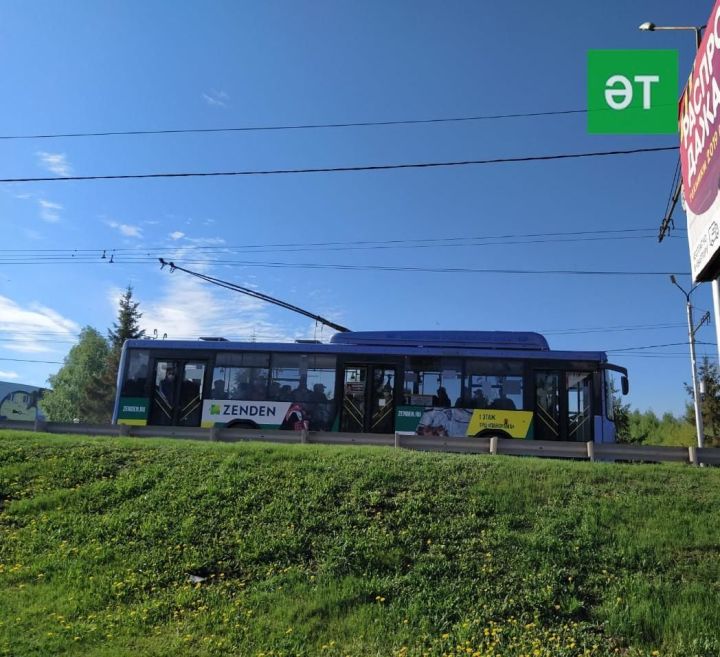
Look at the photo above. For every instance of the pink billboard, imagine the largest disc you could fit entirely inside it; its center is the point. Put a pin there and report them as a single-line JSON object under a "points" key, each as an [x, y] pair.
{"points": [[699, 124]]}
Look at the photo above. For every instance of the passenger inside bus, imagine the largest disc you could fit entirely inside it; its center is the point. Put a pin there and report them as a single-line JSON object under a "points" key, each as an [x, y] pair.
{"points": [[189, 390], [218, 391], [275, 391], [257, 392], [441, 399], [478, 400], [318, 393], [167, 385], [503, 402], [301, 393]]}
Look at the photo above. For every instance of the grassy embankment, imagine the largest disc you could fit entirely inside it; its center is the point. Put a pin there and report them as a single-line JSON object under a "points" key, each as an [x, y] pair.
{"points": [[313, 550]]}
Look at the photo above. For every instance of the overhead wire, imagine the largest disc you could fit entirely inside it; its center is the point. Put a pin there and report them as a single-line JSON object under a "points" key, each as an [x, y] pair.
{"points": [[673, 186], [410, 241], [636, 351], [296, 126], [341, 169], [23, 340], [64, 337], [661, 356], [148, 255], [310, 126], [439, 270], [656, 346], [615, 329], [9, 255], [348, 267], [29, 360], [216, 255]]}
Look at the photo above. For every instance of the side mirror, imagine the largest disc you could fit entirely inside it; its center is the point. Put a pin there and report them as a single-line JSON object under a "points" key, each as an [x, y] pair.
{"points": [[625, 385]]}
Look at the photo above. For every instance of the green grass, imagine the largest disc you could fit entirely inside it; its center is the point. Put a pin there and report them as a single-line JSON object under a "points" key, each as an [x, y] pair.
{"points": [[312, 550]]}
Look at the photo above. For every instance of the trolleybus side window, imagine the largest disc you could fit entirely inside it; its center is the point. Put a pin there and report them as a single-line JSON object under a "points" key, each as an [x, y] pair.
{"points": [[242, 376], [611, 391], [432, 381], [308, 380], [493, 384], [295, 377], [135, 383], [321, 376]]}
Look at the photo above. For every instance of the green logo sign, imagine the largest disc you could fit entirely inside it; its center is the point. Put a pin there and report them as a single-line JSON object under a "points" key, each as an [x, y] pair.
{"points": [[133, 408], [407, 418], [214, 409], [632, 92]]}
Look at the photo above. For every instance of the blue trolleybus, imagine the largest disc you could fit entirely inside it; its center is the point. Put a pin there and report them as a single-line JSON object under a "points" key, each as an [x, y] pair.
{"points": [[440, 383]]}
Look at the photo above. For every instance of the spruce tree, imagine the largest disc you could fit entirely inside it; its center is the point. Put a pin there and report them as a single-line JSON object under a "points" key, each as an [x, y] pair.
{"points": [[127, 327]]}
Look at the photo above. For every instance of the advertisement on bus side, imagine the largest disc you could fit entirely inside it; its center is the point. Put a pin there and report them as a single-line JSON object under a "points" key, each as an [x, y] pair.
{"points": [[432, 421], [296, 416], [264, 414]]}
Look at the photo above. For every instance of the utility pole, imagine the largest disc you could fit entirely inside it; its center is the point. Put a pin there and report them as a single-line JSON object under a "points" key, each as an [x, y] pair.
{"points": [[692, 330]]}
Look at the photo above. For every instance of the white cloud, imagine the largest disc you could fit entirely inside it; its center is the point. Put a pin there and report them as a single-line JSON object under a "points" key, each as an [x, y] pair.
{"points": [[55, 162], [49, 211], [4, 374], [126, 229], [206, 241], [32, 234], [190, 308], [216, 98], [187, 247], [24, 327], [177, 235]]}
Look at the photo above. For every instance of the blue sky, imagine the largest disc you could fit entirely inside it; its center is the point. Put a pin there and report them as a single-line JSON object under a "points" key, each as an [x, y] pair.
{"points": [[78, 66]]}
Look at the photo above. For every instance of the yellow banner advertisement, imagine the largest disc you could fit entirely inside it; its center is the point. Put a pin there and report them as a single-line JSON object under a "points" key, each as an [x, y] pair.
{"points": [[514, 423]]}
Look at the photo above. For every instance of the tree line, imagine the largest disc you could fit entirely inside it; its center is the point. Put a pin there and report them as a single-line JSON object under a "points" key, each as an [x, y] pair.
{"points": [[84, 387], [634, 426]]}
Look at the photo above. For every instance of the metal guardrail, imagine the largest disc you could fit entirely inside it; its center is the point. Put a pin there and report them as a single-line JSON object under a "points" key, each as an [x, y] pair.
{"points": [[407, 440]]}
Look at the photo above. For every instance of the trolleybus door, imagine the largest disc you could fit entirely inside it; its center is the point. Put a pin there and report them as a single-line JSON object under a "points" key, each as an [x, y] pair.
{"points": [[579, 402], [177, 393], [563, 405], [368, 403], [548, 424]]}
